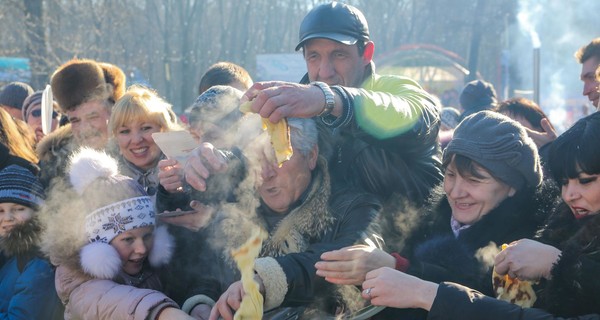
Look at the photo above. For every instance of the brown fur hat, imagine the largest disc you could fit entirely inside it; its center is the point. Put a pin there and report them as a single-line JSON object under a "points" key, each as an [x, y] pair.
{"points": [[115, 76], [80, 80]]}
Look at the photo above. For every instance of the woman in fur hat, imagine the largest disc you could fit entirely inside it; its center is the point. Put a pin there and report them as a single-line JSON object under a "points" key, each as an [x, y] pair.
{"points": [[138, 114], [26, 278], [105, 244]]}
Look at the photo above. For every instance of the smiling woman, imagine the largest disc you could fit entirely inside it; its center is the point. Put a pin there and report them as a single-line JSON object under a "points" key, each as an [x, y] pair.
{"points": [[135, 116], [492, 194]]}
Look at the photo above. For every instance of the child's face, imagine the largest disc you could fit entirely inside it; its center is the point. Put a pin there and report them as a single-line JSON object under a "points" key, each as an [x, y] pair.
{"points": [[11, 215], [133, 247]]}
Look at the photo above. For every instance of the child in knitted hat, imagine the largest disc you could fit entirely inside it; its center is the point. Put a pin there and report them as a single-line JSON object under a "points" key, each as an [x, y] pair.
{"points": [[26, 278], [106, 231]]}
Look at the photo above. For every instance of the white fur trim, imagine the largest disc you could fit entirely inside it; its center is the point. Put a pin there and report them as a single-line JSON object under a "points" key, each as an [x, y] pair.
{"points": [[87, 164], [163, 247], [100, 260], [274, 280]]}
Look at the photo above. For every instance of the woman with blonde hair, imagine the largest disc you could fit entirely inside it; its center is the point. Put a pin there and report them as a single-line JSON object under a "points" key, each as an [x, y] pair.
{"points": [[135, 116], [12, 136]]}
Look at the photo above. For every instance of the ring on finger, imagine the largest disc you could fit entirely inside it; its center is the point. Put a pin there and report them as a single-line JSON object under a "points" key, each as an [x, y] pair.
{"points": [[368, 293]]}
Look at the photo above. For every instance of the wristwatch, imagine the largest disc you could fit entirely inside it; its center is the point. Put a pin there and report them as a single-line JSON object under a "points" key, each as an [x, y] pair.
{"points": [[329, 98]]}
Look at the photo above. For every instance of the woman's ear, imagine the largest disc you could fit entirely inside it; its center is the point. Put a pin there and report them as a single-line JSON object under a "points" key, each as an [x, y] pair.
{"points": [[512, 192]]}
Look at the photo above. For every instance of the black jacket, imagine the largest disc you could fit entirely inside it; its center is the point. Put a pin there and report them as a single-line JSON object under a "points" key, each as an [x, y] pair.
{"points": [[455, 302], [575, 286], [437, 255]]}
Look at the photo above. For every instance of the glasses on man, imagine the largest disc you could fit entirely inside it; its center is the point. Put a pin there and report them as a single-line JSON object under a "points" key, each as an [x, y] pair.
{"points": [[38, 113]]}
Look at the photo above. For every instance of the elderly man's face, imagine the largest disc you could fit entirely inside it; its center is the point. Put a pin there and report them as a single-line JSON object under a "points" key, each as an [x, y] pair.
{"points": [[90, 124], [281, 187], [588, 76], [335, 63]]}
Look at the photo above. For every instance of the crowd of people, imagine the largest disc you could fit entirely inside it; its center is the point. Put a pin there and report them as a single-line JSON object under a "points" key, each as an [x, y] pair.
{"points": [[390, 206]]}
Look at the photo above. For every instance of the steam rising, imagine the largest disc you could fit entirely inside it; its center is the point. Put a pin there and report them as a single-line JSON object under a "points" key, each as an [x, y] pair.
{"points": [[563, 29]]}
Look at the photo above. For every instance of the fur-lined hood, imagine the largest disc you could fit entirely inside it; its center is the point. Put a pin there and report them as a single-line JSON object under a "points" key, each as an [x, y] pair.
{"points": [[22, 239]]}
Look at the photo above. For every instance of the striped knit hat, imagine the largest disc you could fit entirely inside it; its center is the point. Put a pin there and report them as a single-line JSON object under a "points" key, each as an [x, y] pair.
{"points": [[19, 185]]}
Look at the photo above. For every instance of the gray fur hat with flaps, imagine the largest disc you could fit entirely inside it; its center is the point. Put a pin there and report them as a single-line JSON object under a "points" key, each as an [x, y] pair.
{"points": [[500, 145], [80, 80], [107, 205]]}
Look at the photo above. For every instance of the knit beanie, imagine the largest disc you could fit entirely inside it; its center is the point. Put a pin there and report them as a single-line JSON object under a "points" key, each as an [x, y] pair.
{"points": [[478, 95], [14, 93], [114, 204], [500, 145], [450, 117], [19, 185], [33, 100], [218, 105]]}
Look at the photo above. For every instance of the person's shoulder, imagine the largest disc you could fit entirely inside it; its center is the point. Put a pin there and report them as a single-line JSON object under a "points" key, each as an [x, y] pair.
{"points": [[395, 79]]}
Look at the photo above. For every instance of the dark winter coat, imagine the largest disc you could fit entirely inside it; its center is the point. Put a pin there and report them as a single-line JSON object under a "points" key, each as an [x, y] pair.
{"points": [[435, 254], [320, 222], [575, 285], [455, 302]]}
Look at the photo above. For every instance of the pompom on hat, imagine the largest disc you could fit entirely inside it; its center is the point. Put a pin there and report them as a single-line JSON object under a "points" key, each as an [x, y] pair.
{"points": [[79, 80], [500, 145], [476, 96], [115, 204]]}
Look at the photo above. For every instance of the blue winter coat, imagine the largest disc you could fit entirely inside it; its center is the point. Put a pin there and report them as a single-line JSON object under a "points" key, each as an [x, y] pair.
{"points": [[28, 293]]}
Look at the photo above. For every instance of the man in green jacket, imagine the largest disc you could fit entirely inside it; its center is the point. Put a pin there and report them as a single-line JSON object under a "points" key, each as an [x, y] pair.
{"points": [[379, 132]]}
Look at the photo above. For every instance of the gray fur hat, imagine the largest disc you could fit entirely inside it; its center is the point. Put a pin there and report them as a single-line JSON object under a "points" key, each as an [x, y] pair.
{"points": [[500, 145]]}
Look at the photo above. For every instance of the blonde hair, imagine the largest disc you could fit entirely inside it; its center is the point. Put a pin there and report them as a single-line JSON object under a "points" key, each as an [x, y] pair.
{"points": [[142, 104], [17, 137]]}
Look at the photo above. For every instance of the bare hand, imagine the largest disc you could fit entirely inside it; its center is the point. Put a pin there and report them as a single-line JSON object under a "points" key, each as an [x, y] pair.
{"points": [[542, 138], [203, 161], [349, 265], [393, 288], [228, 303], [170, 175], [527, 260], [192, 221], [201, 312], [277, 99]]}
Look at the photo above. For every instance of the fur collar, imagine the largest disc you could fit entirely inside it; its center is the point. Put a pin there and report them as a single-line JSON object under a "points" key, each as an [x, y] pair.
{"points": [[306, 222], [55, 142], [22, 239], [53, 151]]}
